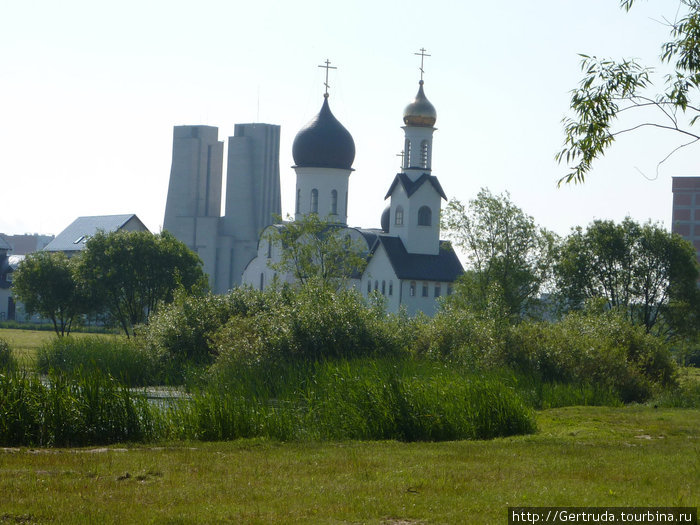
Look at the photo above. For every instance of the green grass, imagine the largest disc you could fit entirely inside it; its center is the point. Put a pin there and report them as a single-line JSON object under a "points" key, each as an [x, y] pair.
{"points": [[628, 456], [25, 344]]}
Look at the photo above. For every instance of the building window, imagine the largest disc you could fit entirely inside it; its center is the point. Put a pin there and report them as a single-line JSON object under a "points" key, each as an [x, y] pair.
{"points": [[449, 289], [424, 216], [334, 202], [425, 289], [391, 287], [437, 290], [262, 281], [8, 277], [298, 205], [376, 285], [314, 201], [412, 289], [398, 216], [383, 287], [369, 287], [407, 154], [424, 154], [269, 249]]}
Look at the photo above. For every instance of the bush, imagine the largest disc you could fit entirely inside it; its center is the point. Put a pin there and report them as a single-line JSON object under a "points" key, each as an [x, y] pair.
{"points": [[309, 323], [121, 358], [601, 349], [7, 360]]}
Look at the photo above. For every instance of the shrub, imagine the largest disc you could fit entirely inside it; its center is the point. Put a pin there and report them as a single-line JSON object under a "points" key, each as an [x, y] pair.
{"points": [[7, 360], [309, 323], [122, 358], [600, 349]]}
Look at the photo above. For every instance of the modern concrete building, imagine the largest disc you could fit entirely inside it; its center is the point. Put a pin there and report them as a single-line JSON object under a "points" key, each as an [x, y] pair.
{"points": [[193, 209], [685, 220], [407, 261]]}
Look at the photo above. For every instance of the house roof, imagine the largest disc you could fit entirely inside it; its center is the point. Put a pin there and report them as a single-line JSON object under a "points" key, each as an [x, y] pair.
{"points": [[444, 266], [411, 187], [73, 238], [4, 245]]}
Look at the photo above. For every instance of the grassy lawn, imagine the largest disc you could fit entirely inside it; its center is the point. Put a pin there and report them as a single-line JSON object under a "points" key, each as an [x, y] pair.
{"points": [[581, 456], [26, 343]]}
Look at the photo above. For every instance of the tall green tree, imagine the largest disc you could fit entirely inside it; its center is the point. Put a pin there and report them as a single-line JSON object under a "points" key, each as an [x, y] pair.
{"points": [[313, 249], [48, 285], [509, 256], [610, 88], [131, 273], [641, 269]]}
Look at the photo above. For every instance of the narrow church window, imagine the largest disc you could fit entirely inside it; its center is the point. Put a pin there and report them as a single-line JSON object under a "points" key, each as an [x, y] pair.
{"points": [[424, 154], [298, 207], [391, 287], [412, 289], [314, 201], [407, 154], [376, 285], [425, 289], [398, 216], [369, 287], [262, 281], [269, 249], [437, 290], [383, 287], [424, 216], [334, 202]]}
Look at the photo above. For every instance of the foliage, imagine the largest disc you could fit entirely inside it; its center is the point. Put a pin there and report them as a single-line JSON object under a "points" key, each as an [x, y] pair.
{"points": [[611, 87], [508, 255], [363, 398], [643, 270], [313, 321], [87, 408], [47, 284], [315, 249], [120, 358], [601, 349], [7, 360], [132, 273], [182, 330]]}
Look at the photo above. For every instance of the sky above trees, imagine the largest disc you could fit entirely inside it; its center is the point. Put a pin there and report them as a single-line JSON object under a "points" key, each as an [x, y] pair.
{"points": [[90, 92]]}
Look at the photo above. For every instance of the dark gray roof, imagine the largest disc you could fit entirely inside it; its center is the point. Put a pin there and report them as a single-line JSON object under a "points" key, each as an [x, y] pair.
{"points": [[81, 229], [324, 142], [4, 245], [444, 266], [411, 187]]}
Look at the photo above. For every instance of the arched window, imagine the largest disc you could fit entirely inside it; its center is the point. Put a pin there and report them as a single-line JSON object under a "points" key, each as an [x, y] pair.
{"points": [[376, 285], [391, 287], [369, 287], [334, 202], [383, 287], [314, 201], [424, 216], [425, 154], [407, 154], [262, 281], [298, 206], [398, 216], [269, 249]]}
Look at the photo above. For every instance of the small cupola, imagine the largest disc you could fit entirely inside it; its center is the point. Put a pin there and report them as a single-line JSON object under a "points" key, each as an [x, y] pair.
{"points": [[420, 112]]}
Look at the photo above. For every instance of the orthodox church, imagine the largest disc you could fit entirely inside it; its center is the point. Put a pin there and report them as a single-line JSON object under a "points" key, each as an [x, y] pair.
{"points": [[407, 261]]}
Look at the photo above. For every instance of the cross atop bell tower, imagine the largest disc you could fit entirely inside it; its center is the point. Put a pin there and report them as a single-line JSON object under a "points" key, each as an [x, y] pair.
{"points": [[328, 66]]}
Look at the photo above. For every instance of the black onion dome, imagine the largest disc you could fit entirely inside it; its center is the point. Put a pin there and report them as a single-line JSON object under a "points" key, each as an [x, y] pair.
{"points": [[324, 143], [386, 219]]}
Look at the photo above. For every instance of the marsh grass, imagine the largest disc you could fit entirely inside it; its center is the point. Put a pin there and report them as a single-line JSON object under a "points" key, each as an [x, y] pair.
{"points": [[116, 356], [364, 399], [85, 408]]}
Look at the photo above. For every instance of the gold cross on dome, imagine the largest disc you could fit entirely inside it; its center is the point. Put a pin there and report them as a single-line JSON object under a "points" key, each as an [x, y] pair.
{"points": [[422, 55], [327, 67]]}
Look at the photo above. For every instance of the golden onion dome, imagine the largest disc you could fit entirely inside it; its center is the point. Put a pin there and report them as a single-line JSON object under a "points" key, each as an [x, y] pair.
{"points": [[420, 112]]}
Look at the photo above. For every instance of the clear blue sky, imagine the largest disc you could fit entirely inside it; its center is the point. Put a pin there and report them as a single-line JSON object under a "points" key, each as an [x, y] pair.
{"points": [[90, 92]]}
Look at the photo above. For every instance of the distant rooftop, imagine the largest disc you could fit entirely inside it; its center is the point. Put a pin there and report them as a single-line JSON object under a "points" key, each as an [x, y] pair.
{"points": [[73, 238]]}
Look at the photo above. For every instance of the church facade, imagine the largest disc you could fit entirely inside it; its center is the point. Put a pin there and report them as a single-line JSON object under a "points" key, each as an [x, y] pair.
{"points": [[407, 262]]}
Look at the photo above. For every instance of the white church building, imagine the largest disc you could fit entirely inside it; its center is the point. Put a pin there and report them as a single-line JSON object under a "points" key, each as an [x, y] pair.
{"points": [[407, 261]]}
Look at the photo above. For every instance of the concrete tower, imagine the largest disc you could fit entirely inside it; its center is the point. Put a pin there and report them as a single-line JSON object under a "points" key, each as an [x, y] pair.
{"points": [[193, 206]]}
